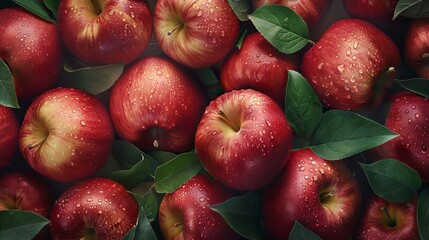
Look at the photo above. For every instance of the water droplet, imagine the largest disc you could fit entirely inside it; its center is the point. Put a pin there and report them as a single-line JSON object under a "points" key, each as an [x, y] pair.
{"points": [[82, 122], [349, 51], [201, 199], [322, 171], [355, 45], [200, 13], [417, 115], [320, 66], [301, 169], [89, 199], [341, 67], [306, 177], [155, 143]]}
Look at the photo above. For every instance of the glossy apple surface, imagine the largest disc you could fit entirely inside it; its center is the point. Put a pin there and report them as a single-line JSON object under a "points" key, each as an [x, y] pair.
{"points": [[416, 47], [9, 129], [66, 134], [244, 139], [378, 12]]}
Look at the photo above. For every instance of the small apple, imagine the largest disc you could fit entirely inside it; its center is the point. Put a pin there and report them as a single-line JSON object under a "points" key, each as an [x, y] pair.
{"points": [[416, 47], [9, 129], [376, 12], [32, 49], [244, 139], [195, 33], [350, 63], [156, 105], [387, 220], [258, 65], [104, 32], [96, 208], [321, 195], [66, 134], [186, 214]]}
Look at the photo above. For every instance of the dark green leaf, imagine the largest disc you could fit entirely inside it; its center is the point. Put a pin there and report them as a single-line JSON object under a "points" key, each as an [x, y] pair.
{"points": [[206, 76], [8, 96], [342, 134], [162, 156], [35, 7], [241, 8], [423, 214], [302, 106], [132, 177], [17, 224], [391, 179], [52, 5], [282, 27], [412, 9], [171, 175], [416, 85], [299, 232], [142, 230], [95, 79], [243, 214], [150, 204]]}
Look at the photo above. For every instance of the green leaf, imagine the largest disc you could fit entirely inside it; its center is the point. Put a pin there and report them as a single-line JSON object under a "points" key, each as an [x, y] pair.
{"points": [[243, 33], [412, 9], [8, 96], [241, 8], [299, 232], [52, 5], [302, 106], [206, 76], [162, 156], [282, 27], [416, 85], [171, 175], [391, 179], [423, 214], [243, 214], [17, 224], [150, 205], [342, 134], [36, 8], [95, 79], [142, 230]]}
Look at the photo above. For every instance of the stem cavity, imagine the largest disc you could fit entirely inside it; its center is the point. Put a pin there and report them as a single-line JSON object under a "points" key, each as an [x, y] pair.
{"points": [[234, 126]]}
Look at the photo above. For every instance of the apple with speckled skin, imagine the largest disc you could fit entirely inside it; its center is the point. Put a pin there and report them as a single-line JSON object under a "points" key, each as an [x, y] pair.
{"points": [[321, 195], [352, 65], [196, 33], [9, 129], [243, 139], [66, 134], [156, 105], [186, 214], [104, 32], [96, 208], [32, 49], [416, 47]]}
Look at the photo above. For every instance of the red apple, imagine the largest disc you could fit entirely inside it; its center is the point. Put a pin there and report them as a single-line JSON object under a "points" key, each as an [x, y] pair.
{"points": [[387, 220], [311, 11], [66, 134], [409, 117], [104, 32], [96, 208], [321, 195], [157, 106], [9, 129], [195, 33], [244, 139], [377, 12], [351, 61], [186, 214], [32, 49], [258, 65], [416, 47]]}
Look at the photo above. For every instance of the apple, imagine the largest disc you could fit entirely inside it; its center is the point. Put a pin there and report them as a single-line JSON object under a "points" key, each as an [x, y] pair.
{"points": [[350, 63], [66, 134], [243, 139], [311, 11], [95, 208], [260, 66], [416, 47], [195, 33], [32, 49], [407, 116], [186, 214], [104, 32], [156, 105], [9, 129], [377, 12], [388, 220], [321, 195]]}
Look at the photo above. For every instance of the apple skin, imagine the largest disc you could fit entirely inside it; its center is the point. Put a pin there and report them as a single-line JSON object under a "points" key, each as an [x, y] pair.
{"points": [[258, 65], [407, 116], [95, 208], [30, 46], [377, 12], [311, 11], [374, 222], [104, 32], [9, 129], [348, 61], [416, 47], [204, 32], [186, 214], [66, 134], [156, 105], [243, 139], [297, 196]]}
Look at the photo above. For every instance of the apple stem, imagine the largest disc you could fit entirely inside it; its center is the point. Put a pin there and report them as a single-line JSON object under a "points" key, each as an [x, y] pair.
{"points": [[326, 196], [97, 7], [155, 143], [227, 120], [36, 144], [390, 220], [169, 33], [178, 224]]}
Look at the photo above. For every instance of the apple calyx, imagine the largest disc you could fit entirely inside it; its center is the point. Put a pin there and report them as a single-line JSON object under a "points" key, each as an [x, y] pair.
{"points": [[390, 221], [326, 197], [225, 118], [180, 25], [90, 234], [10, 203]]}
